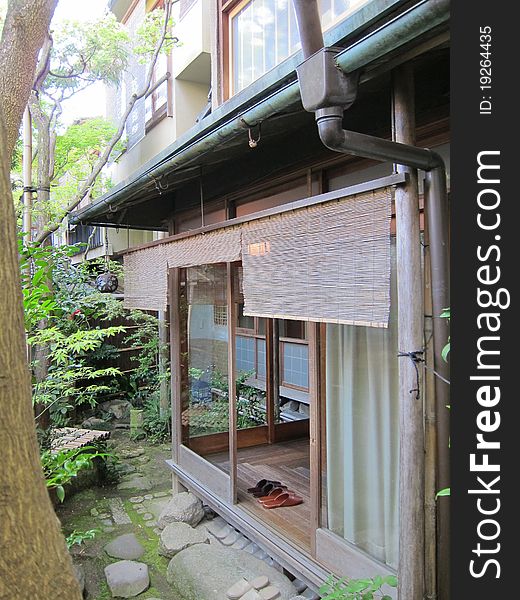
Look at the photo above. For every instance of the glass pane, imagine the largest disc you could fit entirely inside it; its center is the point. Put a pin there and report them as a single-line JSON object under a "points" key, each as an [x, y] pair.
{"points": [[207, 409], [264, 33], [295, 365], [261, 359], [245, 354], [362, 407], [161, 95]]}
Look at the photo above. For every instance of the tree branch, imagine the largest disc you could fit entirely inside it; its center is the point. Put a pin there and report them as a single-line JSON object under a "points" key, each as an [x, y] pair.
{"points": [[86, 188]]}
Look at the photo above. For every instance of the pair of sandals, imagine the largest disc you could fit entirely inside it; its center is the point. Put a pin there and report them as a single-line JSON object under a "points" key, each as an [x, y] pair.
{"points": [[273, 494]]}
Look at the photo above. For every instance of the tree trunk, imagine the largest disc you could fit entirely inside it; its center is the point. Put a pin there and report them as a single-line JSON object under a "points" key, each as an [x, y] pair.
{"points": [[34, 562], [25, 29]]}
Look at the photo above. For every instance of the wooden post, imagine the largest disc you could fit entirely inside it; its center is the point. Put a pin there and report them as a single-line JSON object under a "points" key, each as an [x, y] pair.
{"points": [[175, 362], [269, 379], [410, 339], [276, 370], [163, 361], [314, 431], [232, 395]]}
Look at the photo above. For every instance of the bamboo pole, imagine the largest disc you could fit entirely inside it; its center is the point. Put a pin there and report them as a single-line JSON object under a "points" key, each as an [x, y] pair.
{"points": [[410, 340]]}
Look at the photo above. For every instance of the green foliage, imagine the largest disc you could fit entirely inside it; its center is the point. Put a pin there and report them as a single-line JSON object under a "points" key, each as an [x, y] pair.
{"points": [[86, 52], [60, 294], [357, 589], [62, 467], [77, 150], [156, 424], [443, 492], [78, 537], [148, 35]]}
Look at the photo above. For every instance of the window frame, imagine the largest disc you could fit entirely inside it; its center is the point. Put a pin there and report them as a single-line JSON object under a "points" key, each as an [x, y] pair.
{"points": [[166, 109], [227, 11]]}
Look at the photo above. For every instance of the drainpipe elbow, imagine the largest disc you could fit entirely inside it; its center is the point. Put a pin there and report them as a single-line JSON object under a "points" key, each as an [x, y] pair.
{"points": [[330, 128]]}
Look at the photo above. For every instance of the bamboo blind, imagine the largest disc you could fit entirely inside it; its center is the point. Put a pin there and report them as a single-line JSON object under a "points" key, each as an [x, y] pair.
{"points": [[328, 262], [146, 270]]}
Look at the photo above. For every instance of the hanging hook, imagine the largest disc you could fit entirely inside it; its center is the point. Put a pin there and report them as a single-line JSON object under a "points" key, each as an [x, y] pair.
{"points": [[252, 142]]}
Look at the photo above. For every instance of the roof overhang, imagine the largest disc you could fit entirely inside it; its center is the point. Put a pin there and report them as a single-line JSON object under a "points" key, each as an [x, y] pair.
{"points": [[376, 38]]}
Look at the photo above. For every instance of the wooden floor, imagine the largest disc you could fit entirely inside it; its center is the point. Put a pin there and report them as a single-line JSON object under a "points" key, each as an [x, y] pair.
{"points": [[287, 462]]}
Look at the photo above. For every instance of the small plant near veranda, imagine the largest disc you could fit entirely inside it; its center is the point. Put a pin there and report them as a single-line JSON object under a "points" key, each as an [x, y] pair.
{"points": [[357, 589]]}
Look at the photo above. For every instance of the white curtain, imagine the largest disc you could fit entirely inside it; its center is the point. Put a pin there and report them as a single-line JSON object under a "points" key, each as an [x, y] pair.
{"points": [[363, 435]]}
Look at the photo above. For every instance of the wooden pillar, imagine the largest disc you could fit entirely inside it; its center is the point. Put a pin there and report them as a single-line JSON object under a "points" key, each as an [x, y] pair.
{"points": [[276, 370], [232, 395], [269, 380], [410, 339], [175, 368], [314, 431]]}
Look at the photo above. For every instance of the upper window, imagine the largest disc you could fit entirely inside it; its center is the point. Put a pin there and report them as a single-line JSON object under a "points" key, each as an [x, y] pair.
{"points": [[262, 33]]}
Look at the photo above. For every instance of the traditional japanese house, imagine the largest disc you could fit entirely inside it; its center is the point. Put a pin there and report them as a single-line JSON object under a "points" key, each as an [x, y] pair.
{"points": [[304, 285]]}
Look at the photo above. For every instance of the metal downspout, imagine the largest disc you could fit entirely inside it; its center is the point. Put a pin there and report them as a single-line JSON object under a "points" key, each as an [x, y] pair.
{"points": [[330, 127]]}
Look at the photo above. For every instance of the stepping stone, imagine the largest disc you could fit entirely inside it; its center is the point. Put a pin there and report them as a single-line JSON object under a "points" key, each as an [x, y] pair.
{"points": [[104, 516], [119, 514], [252, 548], [260, 582], [140, 509], [127, 578], [161, 494], [125, 546], [251, 595], [147, 516], [237, 590], [148, 496], [106, 522], [299, 585], [223, 532], [231, 538], [216, 526], [178, 536], [241, 543], [134, 453], [151, 524], [269, 593], [136, 499], [108, 529], [136, 482], [185, 508]]}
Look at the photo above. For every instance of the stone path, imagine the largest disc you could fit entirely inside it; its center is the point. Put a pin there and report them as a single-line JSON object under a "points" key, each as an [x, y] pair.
{"points": [[152, 546]]}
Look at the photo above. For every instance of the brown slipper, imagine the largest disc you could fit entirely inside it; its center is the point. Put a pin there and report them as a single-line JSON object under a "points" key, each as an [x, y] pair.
{"points": [[274, 493], [285, 499]]}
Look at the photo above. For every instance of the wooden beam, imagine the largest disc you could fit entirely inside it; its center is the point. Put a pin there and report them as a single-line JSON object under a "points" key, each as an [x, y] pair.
{"points": [[410, 339]]}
